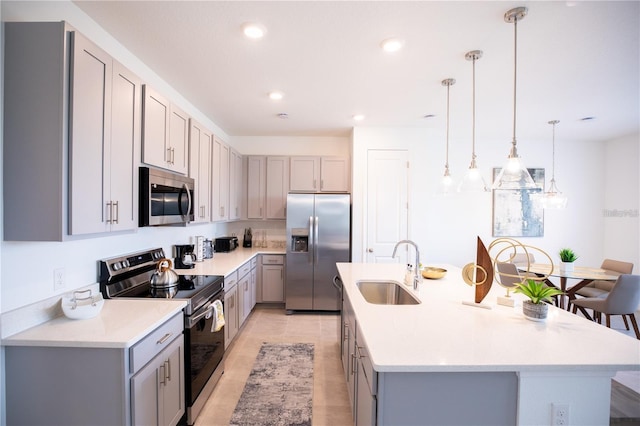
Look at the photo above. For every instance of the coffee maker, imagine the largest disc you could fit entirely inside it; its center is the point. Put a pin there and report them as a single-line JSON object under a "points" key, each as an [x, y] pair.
{"points": [[185, 256]]}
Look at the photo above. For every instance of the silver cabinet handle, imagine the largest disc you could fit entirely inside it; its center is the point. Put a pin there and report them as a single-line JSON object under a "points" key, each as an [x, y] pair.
{"points": [[168, 369], [164, 338], [109, 212], [163, 375], [168, 156], [117, 209], [314, 184]]}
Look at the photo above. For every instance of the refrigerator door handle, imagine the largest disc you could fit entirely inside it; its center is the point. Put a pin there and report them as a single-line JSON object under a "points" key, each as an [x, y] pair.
{"points": [[311, 246], [315, 240]]}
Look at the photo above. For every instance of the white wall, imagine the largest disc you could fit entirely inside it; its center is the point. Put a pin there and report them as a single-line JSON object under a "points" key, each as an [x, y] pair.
{"points": [[446, 228], [292, 145], [622, 200]]}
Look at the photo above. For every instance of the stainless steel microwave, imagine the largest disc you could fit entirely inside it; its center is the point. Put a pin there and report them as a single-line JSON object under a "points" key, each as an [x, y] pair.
{"points": [[166, 198]]}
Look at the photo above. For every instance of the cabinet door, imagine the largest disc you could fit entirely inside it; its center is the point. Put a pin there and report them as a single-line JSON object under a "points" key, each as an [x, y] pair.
{"points": [[89, 137], [172, 404], [305, 174], [277, 187], [178, 140], [220, 189], [155, 133], [255, 187], [334, 174], [200, 141], [365, 409], [253, 287], [272, 283], [235, 185], [231, 315], [244, 296], [125, 147], [145, 392]]}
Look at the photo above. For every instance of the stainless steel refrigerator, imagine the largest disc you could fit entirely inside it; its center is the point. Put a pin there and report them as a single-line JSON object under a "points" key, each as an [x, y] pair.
{"points": [[318, 236]]}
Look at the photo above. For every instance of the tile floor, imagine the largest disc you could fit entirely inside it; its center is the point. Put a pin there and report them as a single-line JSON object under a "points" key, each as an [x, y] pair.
{"points": [[270, 324], [330, 400]]}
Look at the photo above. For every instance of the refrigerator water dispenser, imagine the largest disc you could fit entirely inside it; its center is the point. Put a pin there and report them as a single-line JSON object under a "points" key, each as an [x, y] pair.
{"points": [[300, 240]]}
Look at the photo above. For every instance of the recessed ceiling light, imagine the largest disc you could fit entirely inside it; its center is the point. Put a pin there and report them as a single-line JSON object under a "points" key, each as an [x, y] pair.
{"points": [[392, 44], [283, 115], [276, 96], [358, 117], [428, 116], [587, 118], [253, 30]]}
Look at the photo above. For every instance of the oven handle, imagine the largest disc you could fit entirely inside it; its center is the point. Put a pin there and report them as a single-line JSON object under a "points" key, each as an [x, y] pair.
{"points": [[193, 320]]}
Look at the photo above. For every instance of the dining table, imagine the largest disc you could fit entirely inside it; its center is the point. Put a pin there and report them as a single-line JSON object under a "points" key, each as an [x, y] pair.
{"points": [[585, 274]]}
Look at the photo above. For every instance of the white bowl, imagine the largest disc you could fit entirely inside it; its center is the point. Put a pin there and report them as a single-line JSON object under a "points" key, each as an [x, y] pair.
{"points": [[77, 306]]}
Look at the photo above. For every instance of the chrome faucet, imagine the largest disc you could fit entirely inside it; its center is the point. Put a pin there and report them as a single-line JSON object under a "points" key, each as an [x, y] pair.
{"points": [[416, 276]]}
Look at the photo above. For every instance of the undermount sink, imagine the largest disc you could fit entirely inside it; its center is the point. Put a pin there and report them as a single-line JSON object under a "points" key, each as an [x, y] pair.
{"points": [[386, 293]]}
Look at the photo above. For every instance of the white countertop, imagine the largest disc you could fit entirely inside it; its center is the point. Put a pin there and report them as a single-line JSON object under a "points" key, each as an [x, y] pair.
{"points": [[441, 334], [225, 263], [123, 322], [120, 324]]}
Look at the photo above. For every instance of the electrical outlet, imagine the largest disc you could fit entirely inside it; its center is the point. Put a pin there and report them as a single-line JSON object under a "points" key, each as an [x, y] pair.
{"points": [[559, 414], [58, 278]]}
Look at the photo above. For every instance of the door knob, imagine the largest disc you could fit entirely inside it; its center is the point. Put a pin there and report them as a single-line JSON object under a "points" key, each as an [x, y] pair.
{"points": [[370, 250]]}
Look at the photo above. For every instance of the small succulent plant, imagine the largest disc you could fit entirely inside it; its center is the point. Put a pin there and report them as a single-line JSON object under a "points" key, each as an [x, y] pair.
{"points": [[537, 291], [567, 255]]}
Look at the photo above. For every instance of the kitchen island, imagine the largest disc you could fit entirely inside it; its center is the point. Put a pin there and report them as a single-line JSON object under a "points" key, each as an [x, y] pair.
{"points": [[443, 362]]}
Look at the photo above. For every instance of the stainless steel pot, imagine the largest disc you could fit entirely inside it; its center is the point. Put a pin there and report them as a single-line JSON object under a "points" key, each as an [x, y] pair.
{"points": [[164, 281]]}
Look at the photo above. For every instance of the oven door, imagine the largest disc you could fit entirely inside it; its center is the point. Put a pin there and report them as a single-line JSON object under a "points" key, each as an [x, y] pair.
{"points": [[204, 349]]}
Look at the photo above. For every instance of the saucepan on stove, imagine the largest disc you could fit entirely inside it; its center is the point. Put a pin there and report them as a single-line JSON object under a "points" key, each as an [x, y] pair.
{"points": [[164, 281]]}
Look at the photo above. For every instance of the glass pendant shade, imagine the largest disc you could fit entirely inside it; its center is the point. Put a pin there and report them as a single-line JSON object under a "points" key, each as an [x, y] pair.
{"points": [[472, 180], [553, 198], [447, 182], [514, 174]]}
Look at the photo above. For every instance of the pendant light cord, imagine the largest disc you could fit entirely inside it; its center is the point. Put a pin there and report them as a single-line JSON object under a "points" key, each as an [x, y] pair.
{"points": [[553, 151], [473, 121], [448, 89], [515, 76]]}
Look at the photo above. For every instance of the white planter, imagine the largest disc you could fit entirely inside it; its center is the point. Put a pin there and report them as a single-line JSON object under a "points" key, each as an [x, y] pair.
{"points": [[535, 312], [566, 266]]}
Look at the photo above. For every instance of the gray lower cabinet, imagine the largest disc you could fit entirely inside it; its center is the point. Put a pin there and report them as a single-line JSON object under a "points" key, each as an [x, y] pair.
{"points": [[141, 385], [272, 278], [424, 398], [157, 390]]}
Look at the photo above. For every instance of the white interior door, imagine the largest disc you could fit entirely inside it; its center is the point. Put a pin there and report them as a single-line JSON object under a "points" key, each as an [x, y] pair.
{"points": [[387, 204]]}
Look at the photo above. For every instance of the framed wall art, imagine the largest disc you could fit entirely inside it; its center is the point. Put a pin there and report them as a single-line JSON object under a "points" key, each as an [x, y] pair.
{"points": [[518, 212]]}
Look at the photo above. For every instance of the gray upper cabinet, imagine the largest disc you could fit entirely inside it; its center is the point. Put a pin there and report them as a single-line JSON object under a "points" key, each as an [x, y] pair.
{"points": [[200, 141], [319, 174], [71, 131], [165, 133]]}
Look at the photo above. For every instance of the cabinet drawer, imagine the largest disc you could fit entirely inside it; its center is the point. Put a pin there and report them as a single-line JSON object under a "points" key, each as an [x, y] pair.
{"points": [[244, 270], [363, 355], [272, 259], [151, 345], [230, 280], [254, 262]]}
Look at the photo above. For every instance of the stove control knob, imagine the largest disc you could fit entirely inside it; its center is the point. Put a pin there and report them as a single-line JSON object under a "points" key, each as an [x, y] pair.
{"points": [[115, 266], [125, 263]]}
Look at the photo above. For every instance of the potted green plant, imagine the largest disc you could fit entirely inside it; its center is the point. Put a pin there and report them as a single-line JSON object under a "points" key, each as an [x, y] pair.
{"points": [[567, 257], [538, 293]]}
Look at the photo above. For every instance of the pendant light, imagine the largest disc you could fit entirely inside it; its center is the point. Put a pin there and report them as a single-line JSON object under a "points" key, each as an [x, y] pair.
{"points": [[514, 175], [553, 198], [445, 187], [473, 180]]}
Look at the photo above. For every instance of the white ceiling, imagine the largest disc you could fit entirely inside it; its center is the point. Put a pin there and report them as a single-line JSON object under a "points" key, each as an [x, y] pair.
{"points": [[576, 59]]}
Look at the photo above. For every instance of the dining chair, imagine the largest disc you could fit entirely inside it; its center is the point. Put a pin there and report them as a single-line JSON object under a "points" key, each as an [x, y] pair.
{"points": [[623, 299], [599, 288]]}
